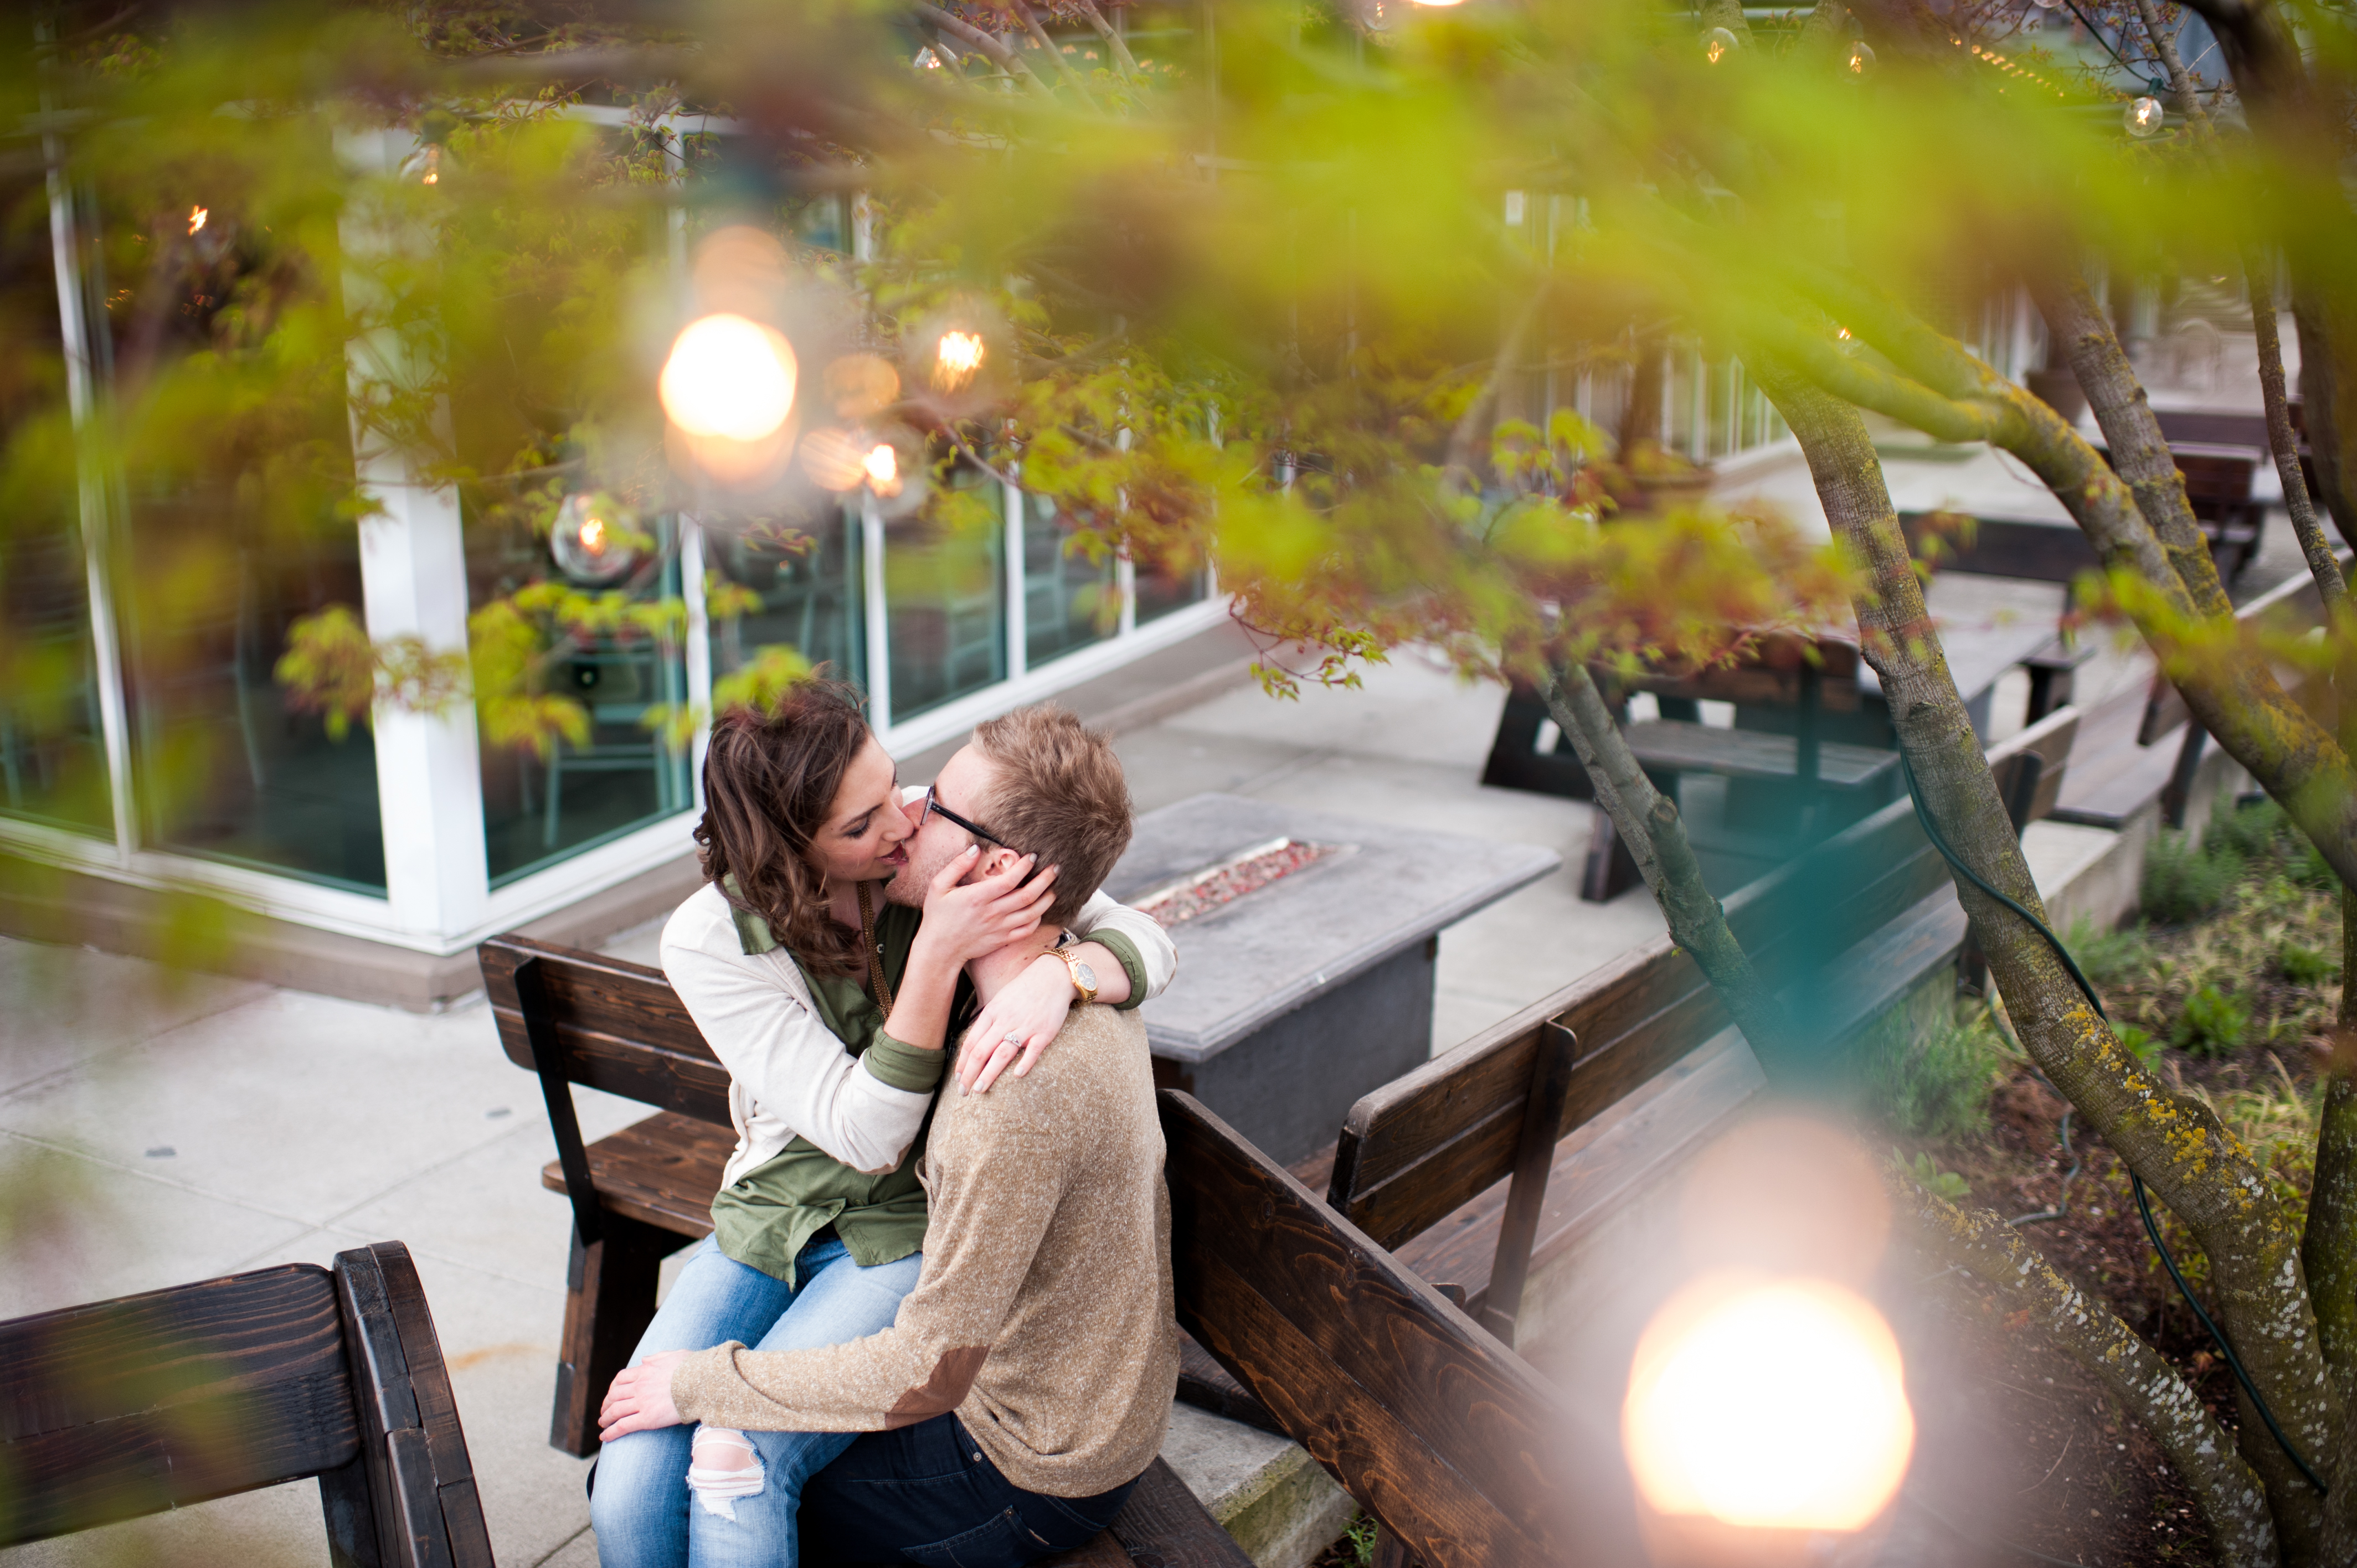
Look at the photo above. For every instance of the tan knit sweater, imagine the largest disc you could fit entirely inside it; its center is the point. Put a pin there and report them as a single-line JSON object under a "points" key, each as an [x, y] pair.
{"points": [[1043, 1316]]}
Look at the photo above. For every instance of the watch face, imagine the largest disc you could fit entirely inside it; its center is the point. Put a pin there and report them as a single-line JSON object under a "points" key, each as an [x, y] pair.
{"points": [[1088, 975]]}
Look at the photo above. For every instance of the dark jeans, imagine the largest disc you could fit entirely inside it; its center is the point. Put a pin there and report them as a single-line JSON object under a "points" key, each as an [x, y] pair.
{"points": [[928, 1494]]}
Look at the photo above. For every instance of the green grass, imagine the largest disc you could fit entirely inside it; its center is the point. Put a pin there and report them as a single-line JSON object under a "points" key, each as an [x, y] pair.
{"points": [[1936, 1085], [2212, 1023]]}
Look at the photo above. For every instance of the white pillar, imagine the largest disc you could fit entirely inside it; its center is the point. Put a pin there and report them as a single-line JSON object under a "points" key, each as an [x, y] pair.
{"points": [[429, 771], [1018, 620], [879, 655], [414, 584]]}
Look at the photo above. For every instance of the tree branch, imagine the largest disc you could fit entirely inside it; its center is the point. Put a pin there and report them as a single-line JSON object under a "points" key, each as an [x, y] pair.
{"points": [[1648, 822], [2228, 1493], [2140, 451], [1047, 47], [981, 43], [1126, 62]]}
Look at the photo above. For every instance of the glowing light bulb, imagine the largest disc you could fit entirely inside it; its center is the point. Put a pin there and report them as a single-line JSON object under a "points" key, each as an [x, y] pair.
{"points": [[1861, 57], [196, 216], [883, 469], [1717, 43], [2145, 117], [1778, 1404], [433, 174], [586, 544], [730, 378], [926, 60], [956, 359]]}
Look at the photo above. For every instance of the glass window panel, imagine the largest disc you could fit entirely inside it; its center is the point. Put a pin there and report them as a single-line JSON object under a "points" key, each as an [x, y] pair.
{"points": [[52, 748], [225, 355], [944, 604], [811, 593], [540, 810], [1162, 587], [1068, 602]]}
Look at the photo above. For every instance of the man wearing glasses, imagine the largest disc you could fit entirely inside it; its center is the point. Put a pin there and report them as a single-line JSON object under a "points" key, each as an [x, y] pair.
{"points": [[1026, 1382]]}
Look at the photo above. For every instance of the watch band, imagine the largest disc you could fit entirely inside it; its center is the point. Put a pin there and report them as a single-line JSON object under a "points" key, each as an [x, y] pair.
{"points": [[1086, 987]]}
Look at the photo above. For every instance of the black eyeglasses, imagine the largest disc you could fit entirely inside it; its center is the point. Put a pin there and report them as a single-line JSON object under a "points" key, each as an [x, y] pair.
{"points": [[933, 803]]}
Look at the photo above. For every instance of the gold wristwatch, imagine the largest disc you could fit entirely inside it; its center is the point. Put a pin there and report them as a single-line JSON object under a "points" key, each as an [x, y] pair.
{"points": [[1084, 979]]}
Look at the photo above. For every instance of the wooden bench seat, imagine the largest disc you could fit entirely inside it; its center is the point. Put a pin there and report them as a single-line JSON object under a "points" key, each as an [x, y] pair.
{"points": [[662, 1171], [149, 1402], [1680, 745]]}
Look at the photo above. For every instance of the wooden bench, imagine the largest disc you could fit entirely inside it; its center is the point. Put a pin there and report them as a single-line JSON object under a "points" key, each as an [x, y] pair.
{"points": [[134, 1406], [644, 1192], [1458, 1450], [1451, 1164]]}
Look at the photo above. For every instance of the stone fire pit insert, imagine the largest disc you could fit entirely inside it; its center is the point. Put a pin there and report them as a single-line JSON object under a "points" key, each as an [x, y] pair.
{"points": [[1307, 949]]}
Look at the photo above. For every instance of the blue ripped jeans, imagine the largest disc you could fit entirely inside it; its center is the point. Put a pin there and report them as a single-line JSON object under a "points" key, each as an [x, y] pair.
{"points": [[642, 1509]]}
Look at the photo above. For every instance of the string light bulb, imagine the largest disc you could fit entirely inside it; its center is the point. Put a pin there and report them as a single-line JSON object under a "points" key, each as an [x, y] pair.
{"points": [[2145, 117], [730, 378], [196, 216], [1861, 57], [956, 359], [433, 174], [1717, 43], [882, 468], [589, 541]]}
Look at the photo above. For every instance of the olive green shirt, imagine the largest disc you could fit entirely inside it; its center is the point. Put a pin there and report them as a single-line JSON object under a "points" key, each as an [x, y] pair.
{"points": [[765, 1218]]}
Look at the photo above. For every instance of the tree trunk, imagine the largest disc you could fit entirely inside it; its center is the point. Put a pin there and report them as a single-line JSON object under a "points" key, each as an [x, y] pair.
{"points": [[2139, 452], [2241, 1531], [1647, 822], [2178, 1147]]}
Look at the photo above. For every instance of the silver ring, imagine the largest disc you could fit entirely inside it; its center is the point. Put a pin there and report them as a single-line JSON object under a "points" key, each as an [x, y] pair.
{"points": [[1014, 1040]]}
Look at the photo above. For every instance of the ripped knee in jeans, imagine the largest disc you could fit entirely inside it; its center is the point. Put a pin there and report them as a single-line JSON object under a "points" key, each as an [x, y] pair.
{"points": [[723, 1466]]}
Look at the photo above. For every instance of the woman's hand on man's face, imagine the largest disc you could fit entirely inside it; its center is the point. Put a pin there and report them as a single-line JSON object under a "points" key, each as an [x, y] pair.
{"points": [[964, 920]]}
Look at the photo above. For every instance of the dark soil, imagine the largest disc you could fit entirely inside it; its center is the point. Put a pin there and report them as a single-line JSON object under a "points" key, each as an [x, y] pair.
{"points": [[2046, 1460]]}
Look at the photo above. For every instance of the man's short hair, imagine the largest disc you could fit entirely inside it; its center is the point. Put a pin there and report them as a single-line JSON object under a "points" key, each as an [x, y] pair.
{"points": [[1059, 794]]}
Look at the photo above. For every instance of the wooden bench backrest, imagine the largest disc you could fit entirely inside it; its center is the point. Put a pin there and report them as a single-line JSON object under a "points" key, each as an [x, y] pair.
{"points": [[620, 1027], [130, 1407], [1456, 1446], [148, 1403], [1413, 1150]]}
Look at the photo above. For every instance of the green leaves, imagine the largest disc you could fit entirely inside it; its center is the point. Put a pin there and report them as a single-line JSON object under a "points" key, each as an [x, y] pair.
{"points": [[331, 668]]}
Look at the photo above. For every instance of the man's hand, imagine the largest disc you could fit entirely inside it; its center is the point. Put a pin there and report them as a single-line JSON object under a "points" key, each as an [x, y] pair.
{"points": [[640, 1400]]}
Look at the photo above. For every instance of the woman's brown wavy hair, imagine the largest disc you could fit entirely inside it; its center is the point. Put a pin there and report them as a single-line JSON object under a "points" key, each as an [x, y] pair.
{"points": [[770, 782]]}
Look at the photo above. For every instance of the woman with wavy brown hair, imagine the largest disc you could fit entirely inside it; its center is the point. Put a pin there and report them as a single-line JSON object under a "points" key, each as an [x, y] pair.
{"points": [[829, 991]]}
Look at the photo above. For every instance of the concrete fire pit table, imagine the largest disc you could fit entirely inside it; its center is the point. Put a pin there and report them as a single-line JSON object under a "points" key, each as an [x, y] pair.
{"points": [[1307, 949]]}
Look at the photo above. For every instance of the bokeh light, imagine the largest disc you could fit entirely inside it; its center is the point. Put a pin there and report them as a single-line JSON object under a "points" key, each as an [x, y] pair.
{"points": [[1769, 1403], [729, 378], [834, 459], [588, 541], [860, 386], [882, 468], [956, 359]]}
